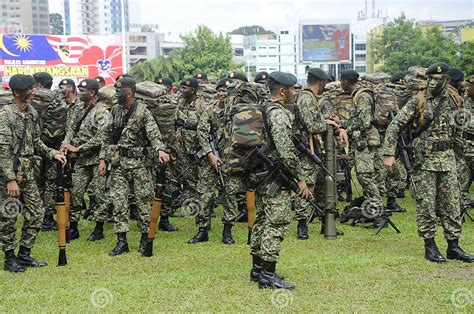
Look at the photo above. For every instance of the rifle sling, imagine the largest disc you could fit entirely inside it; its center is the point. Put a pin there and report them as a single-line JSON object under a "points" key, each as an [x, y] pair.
{"points": [[426, 125], [125, 119], [78, 126]]}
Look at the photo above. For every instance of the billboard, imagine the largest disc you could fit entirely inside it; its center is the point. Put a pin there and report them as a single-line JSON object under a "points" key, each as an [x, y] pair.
{"points": [[325, 42], [75, 57]]}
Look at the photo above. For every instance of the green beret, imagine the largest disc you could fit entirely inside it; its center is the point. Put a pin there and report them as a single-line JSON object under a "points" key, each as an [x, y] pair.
{"points": [[100, 79], [397, 77], [190, 82], [126, 82], [43, 78], [21, 82], [238, 76], [223, 83], [122, 76], [165, 81], [319, 74], [261, 76], [68, 82], [438, 68], [201, 76], [456, 74], [283, 78], [91, 84], [349, 74]]}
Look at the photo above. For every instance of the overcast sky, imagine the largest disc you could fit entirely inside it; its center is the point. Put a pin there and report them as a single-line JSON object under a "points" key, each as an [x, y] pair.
{"points": [[226, 15]]}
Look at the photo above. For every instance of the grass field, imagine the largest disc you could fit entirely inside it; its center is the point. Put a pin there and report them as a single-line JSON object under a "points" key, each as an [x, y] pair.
{"points": [[355, 273]]}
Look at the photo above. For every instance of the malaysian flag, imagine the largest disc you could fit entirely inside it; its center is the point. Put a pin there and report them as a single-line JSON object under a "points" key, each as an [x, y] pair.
{"points": [[69, 48]]}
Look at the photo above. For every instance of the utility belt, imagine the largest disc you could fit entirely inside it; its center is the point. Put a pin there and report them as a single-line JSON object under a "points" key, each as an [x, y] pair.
{"points": [[468, 136], [439, 146], [136, 153]]}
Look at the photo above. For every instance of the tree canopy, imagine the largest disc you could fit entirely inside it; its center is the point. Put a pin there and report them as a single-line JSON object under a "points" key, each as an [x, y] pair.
{"points": [[250, 30]]}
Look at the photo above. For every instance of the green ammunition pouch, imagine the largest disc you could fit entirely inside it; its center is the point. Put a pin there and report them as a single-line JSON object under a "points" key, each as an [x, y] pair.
{"points": [[373, 137], [439, 146], [136, 153]]}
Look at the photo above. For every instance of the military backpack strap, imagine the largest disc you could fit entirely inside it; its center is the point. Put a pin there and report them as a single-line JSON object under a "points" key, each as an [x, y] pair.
{"points": [[117, 133], [78, 126], [426, 125]]}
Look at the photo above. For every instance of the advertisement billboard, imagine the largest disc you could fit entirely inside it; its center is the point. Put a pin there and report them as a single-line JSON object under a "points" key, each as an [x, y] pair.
{"points": [[75, 57], [325, 42]]}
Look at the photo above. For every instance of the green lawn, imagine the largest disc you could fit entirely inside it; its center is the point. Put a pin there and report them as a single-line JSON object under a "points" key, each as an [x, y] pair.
{"points": [[355, 273]]}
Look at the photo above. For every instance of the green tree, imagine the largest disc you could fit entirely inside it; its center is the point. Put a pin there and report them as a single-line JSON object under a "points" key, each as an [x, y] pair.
{"points": [[56, 24], [159, 67], [466, 57], [251, 30]]}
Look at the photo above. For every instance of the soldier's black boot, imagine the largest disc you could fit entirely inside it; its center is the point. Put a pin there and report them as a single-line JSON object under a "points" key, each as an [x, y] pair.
{"points": [[165, 225], [26, 260], [121, 246], [11, 263], [227, 234], [302, 230], [73, 231], [393, 206], [49, 224], [432, 252], [143, 240], [98, 232], [257, 269], [269, 279], [201, 236], [401, 193], [455, 252]]}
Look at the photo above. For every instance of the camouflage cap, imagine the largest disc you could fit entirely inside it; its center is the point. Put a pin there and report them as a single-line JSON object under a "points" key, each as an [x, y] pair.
{"points": [[68, 82], [165, 81], [397, 77], [21, 82], [261, 76], [201, 76], [126, 82], [349, 74], [456, 74], [43, 78], [319, 74], [238, 76], [438, 68], [190, 82], [91, 84], [285, 79], [223, 83]]}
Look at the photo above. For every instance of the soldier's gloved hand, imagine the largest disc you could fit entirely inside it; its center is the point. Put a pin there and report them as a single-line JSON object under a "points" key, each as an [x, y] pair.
{"points": [[12, 189], [214, 161], [389, 162], [343, 136], [304, 193], [61, 158], [164, 157], [102, 167]]}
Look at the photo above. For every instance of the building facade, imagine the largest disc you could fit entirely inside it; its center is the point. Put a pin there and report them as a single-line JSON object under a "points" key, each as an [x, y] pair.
{"points": [[24, 16]]}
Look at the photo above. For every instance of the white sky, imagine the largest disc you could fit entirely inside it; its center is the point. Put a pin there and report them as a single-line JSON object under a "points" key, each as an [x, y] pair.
{"points": [[225, 15]]}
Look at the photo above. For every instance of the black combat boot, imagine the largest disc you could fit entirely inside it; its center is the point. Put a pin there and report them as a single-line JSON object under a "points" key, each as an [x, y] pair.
{"points": [[26, 260], [302, 230], [121, 246], [392, 205], [455, 252], [12, 263], [49, 224], [201, 236], [89, 211], [227, 234], [165, 225], [73, 231], [98, 232], [432, 252], [401, 193], [269, 279], [143, 240], [257, 269]]}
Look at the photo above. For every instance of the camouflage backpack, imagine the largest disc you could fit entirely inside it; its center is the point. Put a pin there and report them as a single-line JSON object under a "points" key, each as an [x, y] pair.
{"points": [[106, 96], [150, 89]]}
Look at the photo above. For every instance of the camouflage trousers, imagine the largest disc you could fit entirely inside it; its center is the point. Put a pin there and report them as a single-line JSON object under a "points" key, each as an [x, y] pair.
{"points": [[442, 189], [87, 179], [465, 170], [30, 205], [272, 219], [47, 185], [314, 178], [187, 167], [396, 180], [234, 196], [123, 181], [370, 172]]}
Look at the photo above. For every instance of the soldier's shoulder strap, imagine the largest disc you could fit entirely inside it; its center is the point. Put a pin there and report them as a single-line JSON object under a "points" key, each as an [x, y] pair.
{"points": [[455, 97]]}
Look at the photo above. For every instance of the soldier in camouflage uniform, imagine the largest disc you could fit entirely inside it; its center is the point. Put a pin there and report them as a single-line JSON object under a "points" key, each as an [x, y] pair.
{"points": [[86, 125], [52, 112], [465, 177], [167, 82], [126, 153], [20, 136], [273, 214], [262, 88], [430, 114]]}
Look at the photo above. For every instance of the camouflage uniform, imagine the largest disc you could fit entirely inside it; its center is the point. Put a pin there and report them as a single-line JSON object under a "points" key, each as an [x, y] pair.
{"points": [[11, 129], [88, 138], [434, 165], [466, 168], [128, 164]]}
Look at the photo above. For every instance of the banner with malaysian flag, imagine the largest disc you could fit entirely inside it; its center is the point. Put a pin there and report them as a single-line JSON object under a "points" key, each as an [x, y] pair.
{"points": [[75, 57], [325, 42]]}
